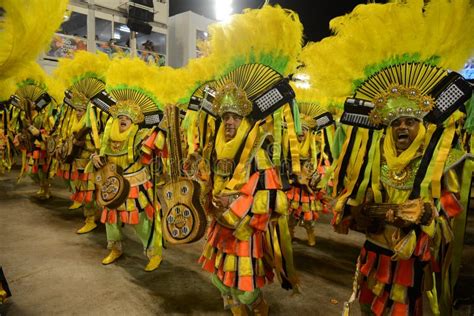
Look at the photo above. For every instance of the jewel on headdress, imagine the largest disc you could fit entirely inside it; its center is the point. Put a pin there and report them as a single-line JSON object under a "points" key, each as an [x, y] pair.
{"points": [[79, 101], [230, 98], [127, 108]]}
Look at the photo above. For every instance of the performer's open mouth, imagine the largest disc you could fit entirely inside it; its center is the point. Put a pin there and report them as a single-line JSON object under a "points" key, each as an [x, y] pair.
{"points": [[123, 124]]}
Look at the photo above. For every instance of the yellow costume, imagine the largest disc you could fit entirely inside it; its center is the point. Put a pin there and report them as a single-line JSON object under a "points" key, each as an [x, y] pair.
{"points": [[397, 186]]}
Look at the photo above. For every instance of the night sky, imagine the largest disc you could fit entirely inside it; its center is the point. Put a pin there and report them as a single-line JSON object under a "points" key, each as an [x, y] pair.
{"points": [[314, 14]]}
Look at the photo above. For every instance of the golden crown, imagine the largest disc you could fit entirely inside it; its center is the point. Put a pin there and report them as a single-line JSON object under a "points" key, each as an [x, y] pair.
{"points": [[79, 101], [399, 101], [230, 98], [127, 108]]}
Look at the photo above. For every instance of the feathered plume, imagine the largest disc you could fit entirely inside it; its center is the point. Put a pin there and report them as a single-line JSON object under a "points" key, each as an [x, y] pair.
{"points": [[26, 29], [271, 36], [375, 36], [136, 80], [86, 72]]}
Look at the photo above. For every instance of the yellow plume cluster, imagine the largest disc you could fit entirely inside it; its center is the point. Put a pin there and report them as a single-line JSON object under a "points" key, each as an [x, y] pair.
{"points": [[32, 73], [271, 36], [83, 65], [7, 88], [375, 36], [135, 74], [26, 28]]}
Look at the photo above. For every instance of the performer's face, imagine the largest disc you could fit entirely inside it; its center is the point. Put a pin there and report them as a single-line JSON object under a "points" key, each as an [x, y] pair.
{"points": [[404, 131], [302, 137], [231, 124], [124, 123], [80, 113]]}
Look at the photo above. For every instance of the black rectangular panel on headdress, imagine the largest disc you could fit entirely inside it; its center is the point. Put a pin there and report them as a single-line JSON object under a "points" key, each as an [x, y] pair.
{"points": [[15, 101], [356, 113], [272, 99], [103, 101], [152, 119], [68, 98], [205, 103], [449, 94], [323, 120], [42, 101]]}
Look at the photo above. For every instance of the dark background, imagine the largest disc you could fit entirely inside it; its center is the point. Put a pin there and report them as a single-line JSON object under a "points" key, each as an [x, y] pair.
{"points": [[314, 14]]}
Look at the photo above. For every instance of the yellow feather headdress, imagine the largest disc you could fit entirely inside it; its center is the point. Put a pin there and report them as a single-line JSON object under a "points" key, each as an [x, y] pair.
{"points": [[7, 88], [26, 28], [235, 43], [84, 75], [135, 86], [32, 81], [381, 51]]}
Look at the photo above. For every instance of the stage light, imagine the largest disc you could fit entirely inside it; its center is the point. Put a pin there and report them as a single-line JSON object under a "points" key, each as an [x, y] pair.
{"points": [[223, 9], [302, 81]]}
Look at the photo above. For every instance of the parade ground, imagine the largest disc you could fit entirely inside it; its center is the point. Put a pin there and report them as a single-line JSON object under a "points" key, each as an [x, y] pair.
{"points": [[52, 270]]}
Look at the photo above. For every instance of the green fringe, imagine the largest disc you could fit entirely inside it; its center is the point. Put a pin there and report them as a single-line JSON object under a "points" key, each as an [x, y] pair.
{"points": [[87, 75], [31, 82], [278, 63], [138, 89], [370, 70], [469, 124], [296, 117]]}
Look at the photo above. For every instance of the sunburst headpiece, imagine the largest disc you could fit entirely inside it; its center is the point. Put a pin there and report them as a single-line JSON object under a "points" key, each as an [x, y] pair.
{"points": [[230, 98], [392, 55], [32, 82], [133, 84], [84, 75]]}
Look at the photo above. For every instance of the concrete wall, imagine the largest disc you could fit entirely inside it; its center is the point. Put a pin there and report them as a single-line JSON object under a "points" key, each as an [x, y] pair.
{"points": [[182, 36]]}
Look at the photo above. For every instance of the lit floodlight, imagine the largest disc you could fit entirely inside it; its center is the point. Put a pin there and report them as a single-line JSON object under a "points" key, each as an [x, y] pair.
{"points": [[223, 9], [302, 81]]}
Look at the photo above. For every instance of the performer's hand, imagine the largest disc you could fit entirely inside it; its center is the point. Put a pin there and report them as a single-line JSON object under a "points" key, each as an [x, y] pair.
{"points": [[221, 202], [409, 212], [16, 140], [97, 161]]}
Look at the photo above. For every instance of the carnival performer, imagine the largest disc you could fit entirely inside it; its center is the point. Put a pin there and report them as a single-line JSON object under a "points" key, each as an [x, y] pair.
{"points": [[7, 89], [34, 102], [395, 179], [85, 77], [306, 199], [128, 145], [248, 240]]}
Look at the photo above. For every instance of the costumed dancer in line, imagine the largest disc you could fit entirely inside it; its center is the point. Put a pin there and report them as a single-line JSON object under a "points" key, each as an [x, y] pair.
{"points": [[397, 178], [127, 146], [7, 88], [22, 43], [306, 199], [248, 241], [85, 77], [31, 121]]}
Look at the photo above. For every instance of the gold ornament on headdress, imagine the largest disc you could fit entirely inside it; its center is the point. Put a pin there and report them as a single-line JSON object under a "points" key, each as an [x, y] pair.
{"points": [[128, 108], [308, 111], [397, 91], [230, 98], [79, 101]]}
